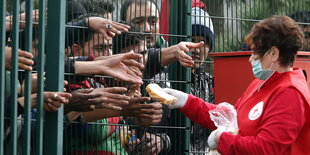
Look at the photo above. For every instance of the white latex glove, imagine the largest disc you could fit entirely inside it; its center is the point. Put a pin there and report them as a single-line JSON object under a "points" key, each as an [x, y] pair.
{"points": [[181, 98], [211, 139]]}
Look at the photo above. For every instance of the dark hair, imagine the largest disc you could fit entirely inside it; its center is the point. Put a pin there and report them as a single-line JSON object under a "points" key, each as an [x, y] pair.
{"points": [[74, 10], [279, 31], [103, 7], [301, 16], [98, 6], [126, 39], [109, 7], [128, 3]]}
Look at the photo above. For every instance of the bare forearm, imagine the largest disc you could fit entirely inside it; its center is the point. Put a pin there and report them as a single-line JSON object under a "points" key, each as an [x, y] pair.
{"points": [[168, 55], [86, 67], [33, 101], [100, 114]]}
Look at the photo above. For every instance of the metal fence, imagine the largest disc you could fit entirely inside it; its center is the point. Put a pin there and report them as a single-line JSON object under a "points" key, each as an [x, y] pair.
{"points": [[50, 30]]}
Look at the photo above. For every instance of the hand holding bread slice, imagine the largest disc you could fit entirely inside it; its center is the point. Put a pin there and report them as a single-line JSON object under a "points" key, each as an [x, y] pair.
{"points": [[171, 97], [157, 93]]}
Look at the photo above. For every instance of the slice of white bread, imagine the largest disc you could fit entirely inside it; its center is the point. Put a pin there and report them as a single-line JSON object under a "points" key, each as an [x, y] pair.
{"points": [[157, 93]]}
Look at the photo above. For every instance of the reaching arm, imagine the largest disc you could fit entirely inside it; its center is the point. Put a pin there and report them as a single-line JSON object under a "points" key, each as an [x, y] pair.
{"points": [[198, 111], [178, 52], [150, 112], [117, 66]]}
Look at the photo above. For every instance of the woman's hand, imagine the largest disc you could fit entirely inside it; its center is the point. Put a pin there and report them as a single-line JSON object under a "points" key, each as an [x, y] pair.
{"points": [[181, 98]]}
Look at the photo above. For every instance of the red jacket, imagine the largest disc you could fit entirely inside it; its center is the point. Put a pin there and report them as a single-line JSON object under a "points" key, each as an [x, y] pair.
{"points": [[273, 117]]}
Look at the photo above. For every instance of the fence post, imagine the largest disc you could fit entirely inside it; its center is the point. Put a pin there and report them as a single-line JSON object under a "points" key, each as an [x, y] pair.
{"points": [[40, 83], [27, 92], [2, 70], [53, 132], [180, 24], [13, 78]]}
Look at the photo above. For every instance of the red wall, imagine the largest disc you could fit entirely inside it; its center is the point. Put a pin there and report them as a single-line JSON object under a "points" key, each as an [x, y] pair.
{"points": [[233, 73]]}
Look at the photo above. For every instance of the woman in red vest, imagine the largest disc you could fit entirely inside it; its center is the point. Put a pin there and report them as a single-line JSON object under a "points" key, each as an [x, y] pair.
{"points": [[273, 113]]}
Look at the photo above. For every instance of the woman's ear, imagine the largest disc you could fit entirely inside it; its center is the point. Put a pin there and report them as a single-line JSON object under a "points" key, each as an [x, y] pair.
{"points": [[275, 53]]}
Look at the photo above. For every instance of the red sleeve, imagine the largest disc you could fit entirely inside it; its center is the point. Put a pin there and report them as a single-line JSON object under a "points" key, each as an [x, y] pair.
{"points": [[280, 126], [198, 111]]}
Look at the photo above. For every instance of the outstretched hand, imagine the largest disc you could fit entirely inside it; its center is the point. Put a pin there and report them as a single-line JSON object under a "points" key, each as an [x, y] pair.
{"points": [[183, 48], [53, 100], [35, 19], [81, 100], [107, 27], [24, 59], [153, 144], [112, 98], [147, 114], [178, 52], [118, 66]]}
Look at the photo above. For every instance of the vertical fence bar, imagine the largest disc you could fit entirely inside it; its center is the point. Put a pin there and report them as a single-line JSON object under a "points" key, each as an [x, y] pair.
{"points": [[14, 81], [27, 94], [53, 132], [180, 11], [2, 70], [40, 83], [187, 30]]}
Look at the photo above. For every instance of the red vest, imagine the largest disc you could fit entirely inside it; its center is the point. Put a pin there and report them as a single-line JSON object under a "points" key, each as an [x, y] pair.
{"points": [[252, 104]]}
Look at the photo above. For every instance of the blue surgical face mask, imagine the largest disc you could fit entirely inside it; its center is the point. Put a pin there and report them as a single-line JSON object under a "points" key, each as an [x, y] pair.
{"points": [[259, 72]]}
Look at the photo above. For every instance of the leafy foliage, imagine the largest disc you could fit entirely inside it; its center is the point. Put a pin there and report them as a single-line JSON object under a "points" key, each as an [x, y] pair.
{"points": [[238, 16]]}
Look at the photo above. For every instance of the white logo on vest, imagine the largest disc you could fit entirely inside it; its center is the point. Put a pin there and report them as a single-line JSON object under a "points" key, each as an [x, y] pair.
{"points": [[256, 111]]}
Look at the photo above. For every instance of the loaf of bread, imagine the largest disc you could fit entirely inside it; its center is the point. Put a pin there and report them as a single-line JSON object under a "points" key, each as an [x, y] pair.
{"points": [[157, 93]]}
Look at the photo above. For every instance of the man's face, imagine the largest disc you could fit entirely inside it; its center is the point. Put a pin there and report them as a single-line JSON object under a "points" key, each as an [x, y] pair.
{"points": [[140, 48], [201, 53], [97, 46], [147, 18], [306, 45]]}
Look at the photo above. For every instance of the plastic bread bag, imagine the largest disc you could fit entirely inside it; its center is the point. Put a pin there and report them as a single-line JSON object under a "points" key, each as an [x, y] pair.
{"points": [[224, 117]]}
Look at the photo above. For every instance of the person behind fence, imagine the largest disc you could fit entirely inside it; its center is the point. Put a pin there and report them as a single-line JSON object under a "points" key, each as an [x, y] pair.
{"points": [[145, 14], [304, 18], [153, 140], [202, 81], [134, 41], [274, 111], [52, 100], [103, 9], [108, 29], [101, 122]]}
